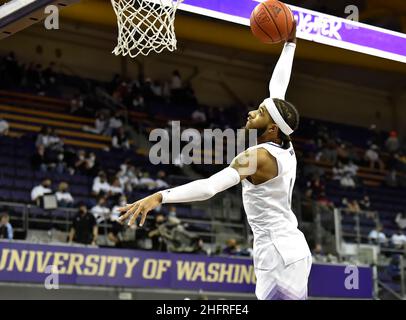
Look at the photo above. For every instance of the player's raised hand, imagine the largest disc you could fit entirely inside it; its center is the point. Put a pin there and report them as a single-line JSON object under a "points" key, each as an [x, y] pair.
{"points": [[143, 206], [292, 36]]}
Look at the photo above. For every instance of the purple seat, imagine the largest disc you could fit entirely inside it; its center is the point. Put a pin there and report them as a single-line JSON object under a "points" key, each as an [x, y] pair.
{"points": [[24, 173], [5, 194], [79, 179], [23, 184], [7, 171], [60, 213], [42, 175], [6, 182], [35, 211], [20, 196], [80, 190]]}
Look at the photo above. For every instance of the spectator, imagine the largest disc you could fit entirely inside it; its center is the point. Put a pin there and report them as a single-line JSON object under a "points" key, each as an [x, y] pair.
{"points": [[338, 171], [366, 207], [372, 158], [199, 116], [55, 142], [391, 179], [393, 269], [318, 253], [41, 160], [44, 137], [86, 164], [116, 190], [138, 102], [63, 196], [116, 227], [392, 143], [315, 187], [401, 220], [115, 213], [126, 175], [350, 206], [146, 182], [398, 239], [347, 181], [376, 236], [201, 249], [114, 123], [172, 211], [157, 89], [4, 127], [232, 247], [80, 162], [100, 211], [326, 209], [100, 184], [328, 154], [342, 153], [77, 105], [154, 234], [351, 167], [176, 80], [177, 238], [120, 139], [90, 164], [160, 183], [375, 136], [84, 227], [6, 230], [100, 125], [39, 191]]}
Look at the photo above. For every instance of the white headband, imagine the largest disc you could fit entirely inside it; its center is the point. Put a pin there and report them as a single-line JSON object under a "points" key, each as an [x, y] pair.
{"points": [[276, 116]]}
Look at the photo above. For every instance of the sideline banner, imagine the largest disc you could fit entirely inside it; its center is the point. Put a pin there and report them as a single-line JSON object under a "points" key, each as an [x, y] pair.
{"points": [[27, 262]]}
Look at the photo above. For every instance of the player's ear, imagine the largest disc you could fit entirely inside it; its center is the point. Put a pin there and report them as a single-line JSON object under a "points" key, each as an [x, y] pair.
{"points": [[272, 128]]}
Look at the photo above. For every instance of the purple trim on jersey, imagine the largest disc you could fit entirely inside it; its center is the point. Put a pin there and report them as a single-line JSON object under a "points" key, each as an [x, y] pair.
{"points": [[279, 293], [275, 145]]}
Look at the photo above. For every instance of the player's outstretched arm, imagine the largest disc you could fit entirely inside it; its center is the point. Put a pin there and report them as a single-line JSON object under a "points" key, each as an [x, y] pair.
{"points": [[283, 69], [241, 167], [198, 190]]}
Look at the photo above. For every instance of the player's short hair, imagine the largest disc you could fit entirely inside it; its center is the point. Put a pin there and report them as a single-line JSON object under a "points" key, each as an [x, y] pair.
{"points": [[290, 114]]}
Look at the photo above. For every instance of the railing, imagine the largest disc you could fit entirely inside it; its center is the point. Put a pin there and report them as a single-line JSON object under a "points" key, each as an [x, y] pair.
{"points": [[357, 238], [30, 214]]}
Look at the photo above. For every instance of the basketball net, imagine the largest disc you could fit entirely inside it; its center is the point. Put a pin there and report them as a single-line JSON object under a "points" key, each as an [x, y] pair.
{"points": [[145, 26]]}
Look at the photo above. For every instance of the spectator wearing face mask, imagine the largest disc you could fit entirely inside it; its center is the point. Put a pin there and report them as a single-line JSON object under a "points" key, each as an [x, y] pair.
{"points": [[376, 236], [100, 185], [373, 159], [398, 239], [84, 227], [63, 196], [116, 226], [91, 164], [39, 191], [4, 127], [160, 182], [100, 211], [158, 243]]}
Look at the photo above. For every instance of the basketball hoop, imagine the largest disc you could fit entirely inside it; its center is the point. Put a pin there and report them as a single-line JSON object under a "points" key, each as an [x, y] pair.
{"points": [[145, 26]]}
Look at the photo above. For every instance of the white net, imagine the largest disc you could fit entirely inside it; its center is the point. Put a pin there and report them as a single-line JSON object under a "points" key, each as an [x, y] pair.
{"points": [[145, 26]]}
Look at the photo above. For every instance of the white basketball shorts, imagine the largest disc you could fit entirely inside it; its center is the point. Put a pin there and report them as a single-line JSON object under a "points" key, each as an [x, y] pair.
{"points": [[277, 281]]}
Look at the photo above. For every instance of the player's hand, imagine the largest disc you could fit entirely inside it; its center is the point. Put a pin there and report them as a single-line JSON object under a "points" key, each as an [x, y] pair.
{"points": [[292, 36], [143, 206]]}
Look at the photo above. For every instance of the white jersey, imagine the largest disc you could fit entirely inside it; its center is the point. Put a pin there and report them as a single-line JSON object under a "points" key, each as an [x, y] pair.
{"points": [[269, 213]]}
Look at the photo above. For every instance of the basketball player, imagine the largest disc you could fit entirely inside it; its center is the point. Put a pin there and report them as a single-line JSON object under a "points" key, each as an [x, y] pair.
{"points": [[282, 259]]}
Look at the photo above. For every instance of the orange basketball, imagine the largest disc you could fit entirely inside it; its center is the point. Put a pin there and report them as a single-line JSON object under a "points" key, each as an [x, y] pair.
{"points": [[271, 21]]}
